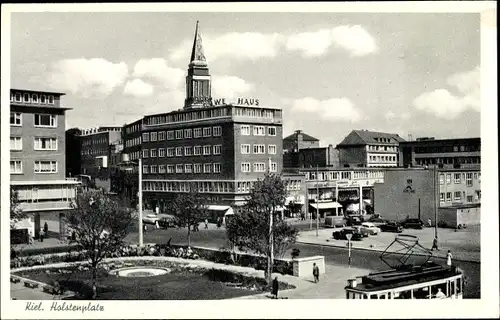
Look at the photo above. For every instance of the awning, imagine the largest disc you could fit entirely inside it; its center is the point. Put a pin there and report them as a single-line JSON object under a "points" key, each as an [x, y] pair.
{"points": [[326, 205], [367, 201], [228, 209]]}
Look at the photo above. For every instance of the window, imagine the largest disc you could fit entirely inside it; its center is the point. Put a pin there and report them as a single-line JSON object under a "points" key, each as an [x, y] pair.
{"points": [[245, 148], [178, 151], [197, 150], [272, 149], [188, 133], [16, 143], [145, 153], [468, 179], [45, 166], [18, 97], [26, 97], [16, 166], [245, 130], [207, 132], [170, 152], [170, 135], [161, 152], [51, 99], [245, 167], [216, 167], [274, 167], [161, 135], [441, 179], [154, 136], [145, 137], [448, 196], [207, 167], [448, 178], [188, 168], [145, 168], [197, 168], [153, 153], [170, 168], [45, 144], [441, 197], [197, 132], [457, 195], [217, 131], [259, 167], [470, 198], [259, 131], [43, 98], [206, 150], [259, 149], [179, 168], [271, 131], [15, 119], [188, 151], [457, 177], [154, 169], [161, 168], [178, 134], [34, 98], [217, 148]]}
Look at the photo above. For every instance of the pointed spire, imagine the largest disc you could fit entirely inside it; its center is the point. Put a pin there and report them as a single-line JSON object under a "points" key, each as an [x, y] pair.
{"points": [[197, 54]]}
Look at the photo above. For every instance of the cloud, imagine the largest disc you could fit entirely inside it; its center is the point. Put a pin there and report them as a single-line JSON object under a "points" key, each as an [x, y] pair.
{"points": [[390, 116], [138, 88], [224, 86], [87, 76], [310, 43], [336, 109], [158, 70], [447, 105]]}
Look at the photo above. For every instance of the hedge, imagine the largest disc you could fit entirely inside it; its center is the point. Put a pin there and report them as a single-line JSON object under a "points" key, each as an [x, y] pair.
{"points": [[41, 251]]}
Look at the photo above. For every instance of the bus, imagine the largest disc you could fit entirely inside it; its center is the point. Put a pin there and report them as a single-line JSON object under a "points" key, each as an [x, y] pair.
{"points": [[428, 281]]}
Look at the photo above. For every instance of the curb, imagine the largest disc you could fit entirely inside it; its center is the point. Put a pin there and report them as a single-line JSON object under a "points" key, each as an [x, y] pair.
{"points": [[376, 250]]}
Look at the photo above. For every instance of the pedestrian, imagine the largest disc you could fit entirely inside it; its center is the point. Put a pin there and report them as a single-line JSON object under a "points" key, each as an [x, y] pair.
{"points": [[206, 223], [448, 258], [42, 234], [435, 244], [46, 228], [315, 273], [440, 294], [429, 222], [145, 228], [218, 222], [275, 288]]}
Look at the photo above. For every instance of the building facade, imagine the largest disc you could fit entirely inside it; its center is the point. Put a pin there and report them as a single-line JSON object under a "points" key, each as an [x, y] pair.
{"points": [[447, 153], [298, 141], [363, 148], [454, 194], [73, 152], [38, 157]]}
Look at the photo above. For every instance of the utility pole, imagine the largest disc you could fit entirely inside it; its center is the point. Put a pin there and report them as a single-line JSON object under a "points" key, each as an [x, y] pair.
{"points": [[436, 189], [141, 240], [317, 204], [271, 249]]}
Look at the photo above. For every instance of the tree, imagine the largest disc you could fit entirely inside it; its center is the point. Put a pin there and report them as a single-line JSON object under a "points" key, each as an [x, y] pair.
{"points": [[16, 213], [257, 227], [100, 225], [190, 208]]}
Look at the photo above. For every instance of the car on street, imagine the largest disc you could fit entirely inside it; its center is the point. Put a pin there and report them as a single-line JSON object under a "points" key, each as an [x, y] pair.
{"points": [[342, 234], [151, 219], [412, 224], [370, 228], [377, 221], [335, 221], [361, 231], [391, 226], [353, 221], [167, 221]]}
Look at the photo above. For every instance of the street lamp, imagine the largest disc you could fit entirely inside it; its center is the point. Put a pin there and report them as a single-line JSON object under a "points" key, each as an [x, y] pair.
{"points": [[349, 236], [129, 165]]}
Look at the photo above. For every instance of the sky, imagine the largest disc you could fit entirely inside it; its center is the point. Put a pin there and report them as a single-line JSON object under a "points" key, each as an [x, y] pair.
{"points": [[404, 73]]}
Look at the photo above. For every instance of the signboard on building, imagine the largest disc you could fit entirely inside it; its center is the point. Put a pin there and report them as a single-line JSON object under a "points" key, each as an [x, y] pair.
{"points": [[409, 186], [236, 101]]}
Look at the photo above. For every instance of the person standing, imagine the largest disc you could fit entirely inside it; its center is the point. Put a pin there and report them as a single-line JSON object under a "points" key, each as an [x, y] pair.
{"points": [[435, 244], [315, 273], [429, 222], [42, 234], [275, 288], [448, 258], [206, 223], [46, 228]]}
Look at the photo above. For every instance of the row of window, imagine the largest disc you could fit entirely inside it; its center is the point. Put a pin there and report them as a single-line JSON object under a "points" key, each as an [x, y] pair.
{"points": [[183, 168], [32, 98], [344, 175], [16, 144], [133, 142], [184, 186], [383, 140], [258, 167], [457, 196], [449, 160], [446, 149], [257, 130], [383, 158], [182, 151], [182, 134], [40, 120], [134, 128], [89, 142], [258, 149], [16, 166], [382, 148], [459, 177]]}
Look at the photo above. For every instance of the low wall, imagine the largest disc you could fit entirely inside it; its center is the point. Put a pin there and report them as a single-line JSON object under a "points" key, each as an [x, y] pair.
{"points": [[303, 267]]}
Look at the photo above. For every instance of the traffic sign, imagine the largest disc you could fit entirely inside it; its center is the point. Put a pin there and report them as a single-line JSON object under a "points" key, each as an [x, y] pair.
{"points": [[348, 236]]}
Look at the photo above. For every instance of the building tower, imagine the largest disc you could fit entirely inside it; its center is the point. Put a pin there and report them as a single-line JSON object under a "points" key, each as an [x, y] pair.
{"points": [[198, 80]]}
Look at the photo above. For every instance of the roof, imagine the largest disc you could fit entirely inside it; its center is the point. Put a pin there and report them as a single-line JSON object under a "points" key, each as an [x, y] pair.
{"points": [[305, 136], [38, 91], [364, 137], [197, 54], [473, 140]]}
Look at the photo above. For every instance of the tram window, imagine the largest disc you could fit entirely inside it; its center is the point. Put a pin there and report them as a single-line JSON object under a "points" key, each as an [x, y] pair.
{"points": [[459, 286], [435, 289], [452, 287], [373, 296], [365, 296], [421, 293], [403, 295], [382, 296]]}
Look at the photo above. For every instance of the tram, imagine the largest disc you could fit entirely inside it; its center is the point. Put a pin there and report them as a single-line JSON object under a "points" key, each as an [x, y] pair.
{"points": [[427, 280]]}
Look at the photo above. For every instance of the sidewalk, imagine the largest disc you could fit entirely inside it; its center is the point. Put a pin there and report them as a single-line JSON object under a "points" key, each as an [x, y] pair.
{"points": [[463, 244]]}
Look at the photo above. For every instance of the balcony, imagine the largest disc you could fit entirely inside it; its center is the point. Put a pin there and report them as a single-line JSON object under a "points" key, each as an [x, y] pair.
{"points": [[45, 206]]}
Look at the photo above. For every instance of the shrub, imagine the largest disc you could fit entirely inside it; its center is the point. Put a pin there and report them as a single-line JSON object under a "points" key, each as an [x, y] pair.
{"points": [[295, 253], [48, 250]]}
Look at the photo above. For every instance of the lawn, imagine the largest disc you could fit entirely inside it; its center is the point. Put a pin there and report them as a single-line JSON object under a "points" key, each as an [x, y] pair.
{"points": [[180, 284]]}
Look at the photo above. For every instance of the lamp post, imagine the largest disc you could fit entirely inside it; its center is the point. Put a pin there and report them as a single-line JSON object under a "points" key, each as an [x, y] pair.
{"points": [[317, 204], [349, 236], [128, 165]]}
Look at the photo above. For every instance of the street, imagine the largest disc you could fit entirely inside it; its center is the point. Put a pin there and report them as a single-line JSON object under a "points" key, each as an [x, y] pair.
{"points": [[216, 238]]}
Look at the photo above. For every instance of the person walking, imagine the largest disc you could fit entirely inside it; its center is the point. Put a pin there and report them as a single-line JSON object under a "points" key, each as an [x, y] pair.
{"points": [[275, 288], [42, 234], [315, 273], [219, 222], [206, 223], [435, 244], [46, 228], [448, 258], [429, 222]]}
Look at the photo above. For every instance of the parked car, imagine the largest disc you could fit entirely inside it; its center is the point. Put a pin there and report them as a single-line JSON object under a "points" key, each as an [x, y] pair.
{"points": [[167, 221], [362, 231], [391, 226], [413, 224], [377, 221], [335, 221], [370, 228], [151, 219], [354, 221], [341, 234]]}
